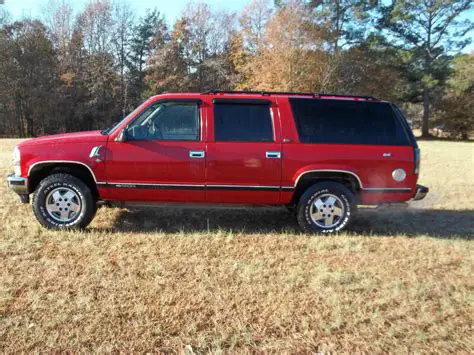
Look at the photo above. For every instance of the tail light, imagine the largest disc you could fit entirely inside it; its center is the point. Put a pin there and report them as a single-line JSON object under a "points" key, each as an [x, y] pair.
{"points": [[417, 161]]}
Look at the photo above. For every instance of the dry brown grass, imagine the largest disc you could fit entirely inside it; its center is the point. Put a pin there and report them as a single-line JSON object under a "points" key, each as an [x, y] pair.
{"points": [[245, 281]]}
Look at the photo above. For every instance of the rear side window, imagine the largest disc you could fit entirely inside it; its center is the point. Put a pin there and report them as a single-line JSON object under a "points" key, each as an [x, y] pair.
{"points": [[347, 122], [235, 122]]}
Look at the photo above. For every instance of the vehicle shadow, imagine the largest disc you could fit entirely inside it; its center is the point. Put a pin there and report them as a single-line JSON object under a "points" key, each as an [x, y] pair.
{"points": [[384, 222]]}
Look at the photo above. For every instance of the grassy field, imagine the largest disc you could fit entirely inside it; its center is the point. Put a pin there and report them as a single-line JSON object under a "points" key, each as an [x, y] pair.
{"points": [[245, 281]]}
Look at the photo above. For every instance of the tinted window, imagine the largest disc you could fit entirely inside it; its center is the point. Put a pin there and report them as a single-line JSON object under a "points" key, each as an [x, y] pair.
{"points": [[347, 122], [242, 123], [166, 121], [406, 125]]}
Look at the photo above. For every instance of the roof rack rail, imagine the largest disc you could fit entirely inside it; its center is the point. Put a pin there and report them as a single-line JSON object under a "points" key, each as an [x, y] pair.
{"points": [[268, 93], [265, 93], [342, 96]]}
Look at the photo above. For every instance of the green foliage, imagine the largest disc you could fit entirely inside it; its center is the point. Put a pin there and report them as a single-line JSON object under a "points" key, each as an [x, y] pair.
{"points": [[149, 34], [429, 31], [457, 107], [462, 80], [343, 22]]}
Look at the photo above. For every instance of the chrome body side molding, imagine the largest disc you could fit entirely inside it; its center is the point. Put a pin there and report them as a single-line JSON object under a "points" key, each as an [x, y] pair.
{"points": [[366, 189], [329, 171], [386, 189], [133, 185], [42, 162]]}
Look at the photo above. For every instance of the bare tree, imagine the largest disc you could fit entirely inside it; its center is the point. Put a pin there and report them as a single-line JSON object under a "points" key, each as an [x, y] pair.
{"points": [[123, 19], [253, 21], [97, 23], [58, 18]]}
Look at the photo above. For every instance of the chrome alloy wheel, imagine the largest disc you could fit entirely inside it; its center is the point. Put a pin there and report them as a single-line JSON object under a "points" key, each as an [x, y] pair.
{"points": [[63, 204], [327, 211]]}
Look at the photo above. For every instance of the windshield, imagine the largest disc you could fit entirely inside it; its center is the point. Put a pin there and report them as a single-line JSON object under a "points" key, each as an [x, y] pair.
{"points": [[110, 130]]}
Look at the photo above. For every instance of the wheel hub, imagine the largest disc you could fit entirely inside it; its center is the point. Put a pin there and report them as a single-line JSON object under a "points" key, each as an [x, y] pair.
{"points": [[327, 211], [63, 204]]}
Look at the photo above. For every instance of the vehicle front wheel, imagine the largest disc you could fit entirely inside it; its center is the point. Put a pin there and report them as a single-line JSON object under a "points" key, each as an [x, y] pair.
{"points": [[326, 207], [63, 201]]}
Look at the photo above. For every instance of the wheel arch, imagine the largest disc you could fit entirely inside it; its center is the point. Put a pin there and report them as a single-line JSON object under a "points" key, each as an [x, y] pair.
{"points": [[308, 178], [40, 170]]}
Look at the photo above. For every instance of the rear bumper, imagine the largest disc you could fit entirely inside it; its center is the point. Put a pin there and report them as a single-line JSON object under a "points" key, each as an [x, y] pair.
{"points": [[19, 185], [421, 192]]}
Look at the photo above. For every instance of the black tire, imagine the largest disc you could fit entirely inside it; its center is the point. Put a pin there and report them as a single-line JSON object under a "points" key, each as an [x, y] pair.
{"points": [[81, 219], [321, 191]]}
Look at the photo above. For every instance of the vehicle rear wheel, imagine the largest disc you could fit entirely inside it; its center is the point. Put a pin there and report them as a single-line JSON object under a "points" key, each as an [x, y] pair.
{"points": [[326, 207], [63, 201]]}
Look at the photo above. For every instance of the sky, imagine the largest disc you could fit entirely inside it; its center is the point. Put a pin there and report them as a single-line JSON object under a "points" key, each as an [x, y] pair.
{"points": [[170, 8]]}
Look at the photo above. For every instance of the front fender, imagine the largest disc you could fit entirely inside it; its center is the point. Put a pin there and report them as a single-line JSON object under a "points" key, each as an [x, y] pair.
{"points": [[73, 153]]}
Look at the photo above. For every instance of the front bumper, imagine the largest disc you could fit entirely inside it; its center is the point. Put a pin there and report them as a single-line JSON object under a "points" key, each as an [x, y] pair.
{"points": [[19, 185], [421, 192]]}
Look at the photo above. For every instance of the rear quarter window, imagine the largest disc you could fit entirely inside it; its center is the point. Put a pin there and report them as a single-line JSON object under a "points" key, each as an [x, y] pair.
{"points": [[347, 122]]}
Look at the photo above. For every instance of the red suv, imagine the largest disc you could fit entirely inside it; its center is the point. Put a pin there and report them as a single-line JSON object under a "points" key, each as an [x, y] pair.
{"points": [[320, 155]]}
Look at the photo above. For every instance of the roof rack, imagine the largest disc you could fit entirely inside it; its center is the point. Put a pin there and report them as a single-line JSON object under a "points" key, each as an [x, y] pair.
{"points": [[268, 93]]}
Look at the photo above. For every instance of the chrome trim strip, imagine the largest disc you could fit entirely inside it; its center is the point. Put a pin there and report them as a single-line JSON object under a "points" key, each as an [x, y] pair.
{"points": [[151, 184], [155, 186], [330, 170], [184, 186], [387, 189], [245, 186], [61, 161], [367, 189], [232, 187], [242, 187]]}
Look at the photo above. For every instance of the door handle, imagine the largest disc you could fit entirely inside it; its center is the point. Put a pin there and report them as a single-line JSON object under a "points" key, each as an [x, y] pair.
{"points": [[273, 155], [197, 154], [387, 155]]}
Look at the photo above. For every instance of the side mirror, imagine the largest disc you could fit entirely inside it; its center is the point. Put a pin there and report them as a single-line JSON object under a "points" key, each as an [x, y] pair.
{"points": [[122, 136]]}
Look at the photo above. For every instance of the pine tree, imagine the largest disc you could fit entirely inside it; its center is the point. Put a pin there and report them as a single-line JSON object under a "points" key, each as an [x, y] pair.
{"points": [[428, 30]]}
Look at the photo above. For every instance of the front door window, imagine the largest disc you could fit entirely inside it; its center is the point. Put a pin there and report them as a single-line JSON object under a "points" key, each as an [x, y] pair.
{"points": [[166, 122]]}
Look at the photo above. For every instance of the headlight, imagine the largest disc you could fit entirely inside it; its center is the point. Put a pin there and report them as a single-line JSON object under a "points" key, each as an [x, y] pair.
{"points": [[16, 161]]}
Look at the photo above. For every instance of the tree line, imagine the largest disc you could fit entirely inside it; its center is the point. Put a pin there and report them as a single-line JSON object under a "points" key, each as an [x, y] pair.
{"points": [[78, 71]]}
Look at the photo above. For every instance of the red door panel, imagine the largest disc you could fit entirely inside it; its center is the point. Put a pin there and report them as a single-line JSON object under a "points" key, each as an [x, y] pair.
{"points": [[242, 173], [155, 171]]}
